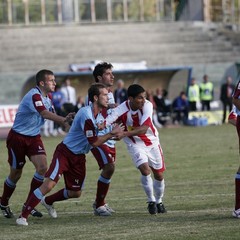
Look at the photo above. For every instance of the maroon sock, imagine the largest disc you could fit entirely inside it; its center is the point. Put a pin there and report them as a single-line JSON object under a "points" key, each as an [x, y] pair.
{"points": [[237, 193], [36, 183], [56, 197], [102, 190], [8, 190], [32, 202]]}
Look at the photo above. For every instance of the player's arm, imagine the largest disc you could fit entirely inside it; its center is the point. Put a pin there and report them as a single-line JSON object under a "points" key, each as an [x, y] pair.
{"points": [[116, 113], [144, 122], [64, 121], [136, 131], [46, 114], [236, 94], [92, 134], [116, 132]]}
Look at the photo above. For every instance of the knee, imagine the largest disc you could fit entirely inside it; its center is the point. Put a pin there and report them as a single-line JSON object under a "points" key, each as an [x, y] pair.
{"points": [[158, 176], [108, 170], [41, 169], [74, 194], [15, 175], [145, 172], [144, 169]]}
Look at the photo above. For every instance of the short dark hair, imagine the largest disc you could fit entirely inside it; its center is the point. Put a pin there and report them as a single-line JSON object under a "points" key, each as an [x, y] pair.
{"points": [[41, 75], [100, 68], [94, 90], [134, 90]]}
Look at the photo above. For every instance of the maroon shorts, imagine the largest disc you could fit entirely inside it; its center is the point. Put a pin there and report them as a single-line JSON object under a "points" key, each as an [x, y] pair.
{"points": [[19, 146], [71, 166], [104, 154]]}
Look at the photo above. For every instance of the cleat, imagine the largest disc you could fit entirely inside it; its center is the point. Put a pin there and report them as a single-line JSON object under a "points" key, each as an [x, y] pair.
{"points": [[109, 208], [106, 206], [102, 211], [34, 212], [152, 208], [51, 211], [161, 208], [236, 213], [22, 221], [6, 211]]}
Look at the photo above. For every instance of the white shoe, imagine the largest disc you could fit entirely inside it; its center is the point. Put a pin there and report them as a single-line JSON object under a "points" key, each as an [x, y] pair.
{"points": [[106, 206], [51, 211], [236, 213], [22, 221], [109, 208], [102, 211]]}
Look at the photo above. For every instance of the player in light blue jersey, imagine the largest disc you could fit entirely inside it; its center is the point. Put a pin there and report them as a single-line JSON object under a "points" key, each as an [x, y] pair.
{"points": [[104, 154], [69, 157], [24, 138]]}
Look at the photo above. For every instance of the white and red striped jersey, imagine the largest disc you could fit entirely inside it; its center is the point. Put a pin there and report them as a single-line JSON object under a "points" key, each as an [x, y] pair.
{"points": [[132, 119]]}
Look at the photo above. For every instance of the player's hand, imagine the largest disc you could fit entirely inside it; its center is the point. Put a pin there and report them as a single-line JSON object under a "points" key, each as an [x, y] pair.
{"points": [[69, 118], [118, 132]]}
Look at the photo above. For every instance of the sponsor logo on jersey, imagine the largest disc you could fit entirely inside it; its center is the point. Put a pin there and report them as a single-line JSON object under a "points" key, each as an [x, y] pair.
{"points": [[89, 133], [38, 103], [130, 128]]}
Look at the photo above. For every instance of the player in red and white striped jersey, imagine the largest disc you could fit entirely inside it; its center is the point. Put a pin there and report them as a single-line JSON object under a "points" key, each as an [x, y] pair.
{"points": [[141, 138]]}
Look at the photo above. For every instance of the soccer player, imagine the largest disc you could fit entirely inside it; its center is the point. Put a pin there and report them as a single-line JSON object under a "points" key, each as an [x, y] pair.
{"points": [[104, 154], [24, 138], [141, 138], [69, 156], [236, 103]]}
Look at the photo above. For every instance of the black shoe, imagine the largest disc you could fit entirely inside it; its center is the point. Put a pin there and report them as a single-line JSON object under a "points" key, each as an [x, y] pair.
{"points": [[6, 211], [161, 208], [34, 212], [152, 208]]}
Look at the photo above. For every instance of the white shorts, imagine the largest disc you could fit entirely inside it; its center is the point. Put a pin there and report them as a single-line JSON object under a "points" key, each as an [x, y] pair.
{"points": [[152, 155]]}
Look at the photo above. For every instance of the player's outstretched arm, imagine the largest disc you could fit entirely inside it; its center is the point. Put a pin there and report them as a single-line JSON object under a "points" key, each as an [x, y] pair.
{"points": [[136, 131], [63, 121], [117, 132]]}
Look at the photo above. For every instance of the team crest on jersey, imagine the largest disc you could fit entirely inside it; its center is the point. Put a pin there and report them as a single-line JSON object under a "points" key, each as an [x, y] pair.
{"points": [[89, 133], [38, 103]]}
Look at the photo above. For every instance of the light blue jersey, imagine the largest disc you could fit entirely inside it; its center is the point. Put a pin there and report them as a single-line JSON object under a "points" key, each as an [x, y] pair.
{"points": [[111, 143], [83, 131], [28, 120]]}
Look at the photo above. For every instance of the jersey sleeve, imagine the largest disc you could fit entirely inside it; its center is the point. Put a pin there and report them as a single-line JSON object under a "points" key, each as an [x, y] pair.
{"points": [[116, 113], [236, 93], [147, 112], [37, 103], [90, 131]]}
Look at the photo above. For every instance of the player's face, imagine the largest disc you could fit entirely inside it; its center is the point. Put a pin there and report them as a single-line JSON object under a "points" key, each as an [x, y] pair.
{"points": [[49, 83], [103, 98], [138, 102], [107, 78]]}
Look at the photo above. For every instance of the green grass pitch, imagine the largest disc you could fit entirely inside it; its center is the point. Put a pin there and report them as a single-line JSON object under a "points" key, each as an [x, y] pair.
{"points": [[201, 165]]}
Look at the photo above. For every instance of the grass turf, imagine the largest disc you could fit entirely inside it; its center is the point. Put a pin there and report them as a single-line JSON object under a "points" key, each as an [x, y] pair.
{"points": [[201, 165]]}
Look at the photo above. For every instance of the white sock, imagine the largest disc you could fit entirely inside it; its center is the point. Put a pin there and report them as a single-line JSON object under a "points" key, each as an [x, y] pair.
{"points": [[147, 184], [159, 187]]}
